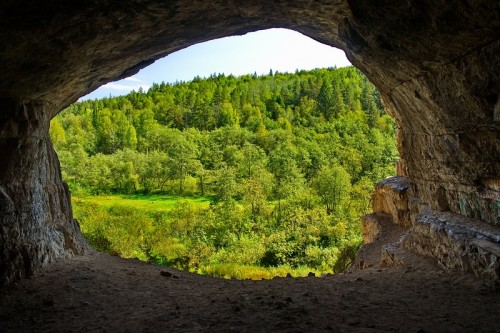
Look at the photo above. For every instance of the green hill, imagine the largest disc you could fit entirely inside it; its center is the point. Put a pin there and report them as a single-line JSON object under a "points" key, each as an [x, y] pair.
{"points": [[288, 161]]}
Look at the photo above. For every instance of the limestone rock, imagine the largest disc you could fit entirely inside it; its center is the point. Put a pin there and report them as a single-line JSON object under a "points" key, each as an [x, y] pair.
{"points": [[485, 258], [392, 197], [36, 223], [391, 255], [457, 242], [378, 230], [371, 228]]}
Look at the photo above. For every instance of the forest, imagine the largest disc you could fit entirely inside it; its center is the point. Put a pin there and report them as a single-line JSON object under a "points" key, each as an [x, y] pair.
{"points": [[244, 177]]}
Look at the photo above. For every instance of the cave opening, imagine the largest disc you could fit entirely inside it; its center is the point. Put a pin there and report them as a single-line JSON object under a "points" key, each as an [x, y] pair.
{"points": [[264, 169], [436, 67], [447, 138]]}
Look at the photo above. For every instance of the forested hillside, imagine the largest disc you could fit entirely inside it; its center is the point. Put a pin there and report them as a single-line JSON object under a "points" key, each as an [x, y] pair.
{"points": [[288, 162]]}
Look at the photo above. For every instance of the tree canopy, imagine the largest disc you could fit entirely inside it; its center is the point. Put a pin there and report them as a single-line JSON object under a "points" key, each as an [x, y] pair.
{"points": [[279, 154]]}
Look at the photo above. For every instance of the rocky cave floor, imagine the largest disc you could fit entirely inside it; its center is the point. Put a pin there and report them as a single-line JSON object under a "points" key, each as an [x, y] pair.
{"points": [[110, 294]]}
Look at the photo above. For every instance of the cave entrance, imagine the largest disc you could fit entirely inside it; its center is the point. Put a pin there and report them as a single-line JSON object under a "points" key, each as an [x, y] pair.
{"points": [[263, 171], [435, 66]]}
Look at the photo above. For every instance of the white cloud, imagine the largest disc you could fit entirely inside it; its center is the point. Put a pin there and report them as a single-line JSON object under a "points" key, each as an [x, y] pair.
{"points": [[133, 79], [126, 87], [128, 84], [118, 88]]}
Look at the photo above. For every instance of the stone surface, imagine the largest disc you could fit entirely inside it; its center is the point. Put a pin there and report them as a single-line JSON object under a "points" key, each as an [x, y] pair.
{"points": [[435, 64], [484, 258], [378, 230], [372, 227], [457, 242], [392, 197], [392, 255], [36, 223]]}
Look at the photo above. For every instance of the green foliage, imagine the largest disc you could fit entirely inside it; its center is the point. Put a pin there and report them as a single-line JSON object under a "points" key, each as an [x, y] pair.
{"points": [[288, 162], [333, 185]]}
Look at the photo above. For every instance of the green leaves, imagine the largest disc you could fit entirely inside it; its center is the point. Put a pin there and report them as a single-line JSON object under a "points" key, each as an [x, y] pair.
{"points": [[289, 162], [333, 185]]}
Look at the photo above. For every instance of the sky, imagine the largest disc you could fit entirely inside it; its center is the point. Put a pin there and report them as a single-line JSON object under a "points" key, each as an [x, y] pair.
{"points": [[277, 49]]}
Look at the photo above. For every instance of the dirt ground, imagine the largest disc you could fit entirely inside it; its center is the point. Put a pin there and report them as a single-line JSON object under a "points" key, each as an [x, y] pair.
{"points": [[101, 293]]}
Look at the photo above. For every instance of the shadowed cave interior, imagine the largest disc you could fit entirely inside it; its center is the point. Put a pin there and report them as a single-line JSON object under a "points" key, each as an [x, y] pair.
{"points": [[434, 63]]}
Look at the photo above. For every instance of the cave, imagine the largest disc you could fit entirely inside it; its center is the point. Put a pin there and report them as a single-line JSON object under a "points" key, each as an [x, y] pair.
{"points": [[434, 63]]}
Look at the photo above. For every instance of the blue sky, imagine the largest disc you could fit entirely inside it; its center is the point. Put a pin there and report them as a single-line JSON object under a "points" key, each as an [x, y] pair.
{"points": [[277, 49]]}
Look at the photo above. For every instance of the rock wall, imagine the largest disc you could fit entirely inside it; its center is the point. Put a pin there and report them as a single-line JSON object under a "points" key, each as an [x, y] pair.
{"points": [[36, 223], [455, 241], [434, 62], [449, 141]]}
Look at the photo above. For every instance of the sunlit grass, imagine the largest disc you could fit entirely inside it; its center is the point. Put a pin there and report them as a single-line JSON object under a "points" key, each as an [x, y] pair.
{"points": [[149, 202], [182, 232], [241, 272]]}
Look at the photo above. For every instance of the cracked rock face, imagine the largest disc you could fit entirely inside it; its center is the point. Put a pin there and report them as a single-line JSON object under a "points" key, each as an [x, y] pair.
{"points": [[435, 64], [36, 224]]}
